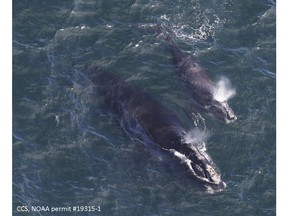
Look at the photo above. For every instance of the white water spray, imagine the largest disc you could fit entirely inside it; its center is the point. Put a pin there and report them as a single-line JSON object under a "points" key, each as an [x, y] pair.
{"points": [[196, 137], [224, 90]]}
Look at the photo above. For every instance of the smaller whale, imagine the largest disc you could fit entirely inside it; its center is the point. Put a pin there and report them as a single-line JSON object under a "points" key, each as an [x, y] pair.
{"points": [[161, 126], [201, 88]]}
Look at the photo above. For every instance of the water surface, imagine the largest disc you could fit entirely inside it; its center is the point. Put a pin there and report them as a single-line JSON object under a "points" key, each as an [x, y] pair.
{"points": [[69, 151]]}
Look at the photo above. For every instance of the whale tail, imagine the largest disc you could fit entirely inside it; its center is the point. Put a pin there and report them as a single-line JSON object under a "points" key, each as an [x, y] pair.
{"points": [[168, 35]]}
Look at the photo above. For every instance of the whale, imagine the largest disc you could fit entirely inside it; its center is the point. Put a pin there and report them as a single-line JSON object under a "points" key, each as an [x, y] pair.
{"points": [[160, 125], [201, 88]]}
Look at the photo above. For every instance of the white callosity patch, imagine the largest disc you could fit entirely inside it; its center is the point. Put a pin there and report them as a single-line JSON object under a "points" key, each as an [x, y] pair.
{"points": [[223, 90], [183, 159]]}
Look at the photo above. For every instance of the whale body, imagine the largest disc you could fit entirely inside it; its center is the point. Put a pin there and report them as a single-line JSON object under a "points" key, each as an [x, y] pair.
{"points": [[201, 88], [161, 125]]}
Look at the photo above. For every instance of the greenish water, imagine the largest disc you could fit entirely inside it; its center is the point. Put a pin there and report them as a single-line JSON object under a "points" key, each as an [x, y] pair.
{"points": [[69, 151]]}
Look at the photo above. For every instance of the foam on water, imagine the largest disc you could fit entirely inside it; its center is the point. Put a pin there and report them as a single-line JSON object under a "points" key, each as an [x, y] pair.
{"points": [[224, 90]]}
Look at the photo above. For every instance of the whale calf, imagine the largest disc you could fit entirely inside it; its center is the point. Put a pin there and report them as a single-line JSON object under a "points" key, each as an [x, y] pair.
{"points": [[201, 88], [160, 124]]}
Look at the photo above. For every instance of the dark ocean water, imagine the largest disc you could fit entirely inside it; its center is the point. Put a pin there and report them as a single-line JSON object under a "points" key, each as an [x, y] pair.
{"points": [[69, 151]]}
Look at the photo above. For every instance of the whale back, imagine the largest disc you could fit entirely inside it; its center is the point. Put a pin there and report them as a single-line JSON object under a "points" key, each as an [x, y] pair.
{"points": [[162, 125]]}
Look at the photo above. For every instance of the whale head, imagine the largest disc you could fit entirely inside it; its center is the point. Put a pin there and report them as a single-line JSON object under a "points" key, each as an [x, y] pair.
{"points": [[200, 166], [221, 110]]}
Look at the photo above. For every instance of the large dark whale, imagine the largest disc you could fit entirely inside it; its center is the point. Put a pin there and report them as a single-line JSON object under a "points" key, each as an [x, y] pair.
{"points": [[161, 125], [201, 88]]}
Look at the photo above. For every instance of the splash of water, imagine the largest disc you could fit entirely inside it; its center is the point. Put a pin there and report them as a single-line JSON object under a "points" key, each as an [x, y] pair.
{"points": [[197, 138], [224, 90], [200, 29]]}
